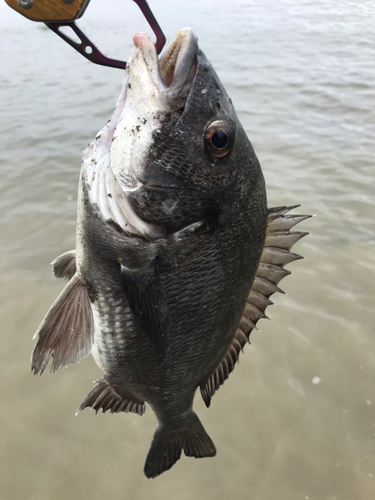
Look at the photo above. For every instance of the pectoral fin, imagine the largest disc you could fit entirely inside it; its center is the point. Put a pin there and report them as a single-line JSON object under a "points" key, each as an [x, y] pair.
{"points": [[147, 300], [66, 333], [276, 254]]}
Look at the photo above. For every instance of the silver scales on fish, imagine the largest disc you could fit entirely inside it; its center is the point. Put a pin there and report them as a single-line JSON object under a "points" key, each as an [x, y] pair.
{"points": [[177, 253]]}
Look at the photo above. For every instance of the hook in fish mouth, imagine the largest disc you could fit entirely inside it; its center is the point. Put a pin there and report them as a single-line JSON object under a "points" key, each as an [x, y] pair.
{"points": [[176, 67]]}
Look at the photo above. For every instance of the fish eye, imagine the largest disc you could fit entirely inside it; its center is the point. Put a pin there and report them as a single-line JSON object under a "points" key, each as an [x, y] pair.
{"points": [[217, 139]]}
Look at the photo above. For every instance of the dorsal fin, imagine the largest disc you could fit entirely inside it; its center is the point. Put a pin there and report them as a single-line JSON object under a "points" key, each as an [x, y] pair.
{"points": [[276, 254]]}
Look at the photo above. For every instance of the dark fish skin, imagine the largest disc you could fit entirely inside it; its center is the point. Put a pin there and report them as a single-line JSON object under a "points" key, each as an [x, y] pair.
{"points": [[165, 310], [206, 279]]}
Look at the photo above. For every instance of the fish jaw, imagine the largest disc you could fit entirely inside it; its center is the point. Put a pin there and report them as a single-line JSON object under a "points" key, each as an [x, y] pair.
{"points": [[173, 73], [155, 90]]}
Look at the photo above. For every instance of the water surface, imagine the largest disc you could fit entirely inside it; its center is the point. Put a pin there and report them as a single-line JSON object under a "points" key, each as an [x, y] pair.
{"points": [[296, 419]]}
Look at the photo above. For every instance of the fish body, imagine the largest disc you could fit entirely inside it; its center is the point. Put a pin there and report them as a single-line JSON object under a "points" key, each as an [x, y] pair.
{"points": [[176, 251]]}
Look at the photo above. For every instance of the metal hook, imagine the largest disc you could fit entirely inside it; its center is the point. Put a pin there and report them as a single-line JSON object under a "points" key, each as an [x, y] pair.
{"points": [[92, 53]]}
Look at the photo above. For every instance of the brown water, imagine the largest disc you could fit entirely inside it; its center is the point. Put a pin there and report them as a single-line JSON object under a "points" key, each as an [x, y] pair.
{"points": [[296, 419]]}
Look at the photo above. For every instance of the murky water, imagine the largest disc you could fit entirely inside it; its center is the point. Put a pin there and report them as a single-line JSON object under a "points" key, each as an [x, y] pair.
{"points": [[296, 419]]}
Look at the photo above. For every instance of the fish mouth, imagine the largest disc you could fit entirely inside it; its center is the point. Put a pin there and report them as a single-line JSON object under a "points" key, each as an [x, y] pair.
{"points": [[176, 68], [115, 164]]}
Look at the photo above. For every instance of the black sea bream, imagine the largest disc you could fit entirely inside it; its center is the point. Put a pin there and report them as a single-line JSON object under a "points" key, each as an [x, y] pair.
{"points": [[177, 253]]}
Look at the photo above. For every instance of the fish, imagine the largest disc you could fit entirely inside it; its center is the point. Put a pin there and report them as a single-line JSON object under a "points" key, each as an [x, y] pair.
{"points": [[177, 253]]}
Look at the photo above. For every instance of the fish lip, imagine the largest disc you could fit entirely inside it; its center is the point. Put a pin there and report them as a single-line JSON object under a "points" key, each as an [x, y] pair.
{"points": [[170, 75]]}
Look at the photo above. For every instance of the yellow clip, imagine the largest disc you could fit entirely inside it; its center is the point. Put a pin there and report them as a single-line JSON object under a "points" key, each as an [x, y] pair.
{"points": [[50, 10]]}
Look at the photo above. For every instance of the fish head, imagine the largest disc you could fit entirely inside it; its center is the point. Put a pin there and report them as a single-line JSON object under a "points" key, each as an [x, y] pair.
{"points": [[178, 151]]}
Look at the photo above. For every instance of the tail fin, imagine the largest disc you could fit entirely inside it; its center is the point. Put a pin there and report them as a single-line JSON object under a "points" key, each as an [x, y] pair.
{"points": [[166, 446]]}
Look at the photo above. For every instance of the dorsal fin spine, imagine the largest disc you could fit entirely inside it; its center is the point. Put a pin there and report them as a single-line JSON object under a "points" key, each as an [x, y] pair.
{"points": [[241, 337], [237, 343]]}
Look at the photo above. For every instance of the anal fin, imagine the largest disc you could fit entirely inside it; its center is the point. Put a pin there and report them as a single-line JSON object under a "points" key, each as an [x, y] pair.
{"points": [[66, 333], [276, 254], [103, 396]]}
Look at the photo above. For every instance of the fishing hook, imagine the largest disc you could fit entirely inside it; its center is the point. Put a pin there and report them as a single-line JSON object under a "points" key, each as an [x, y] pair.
{"points": [[60, 15]]}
